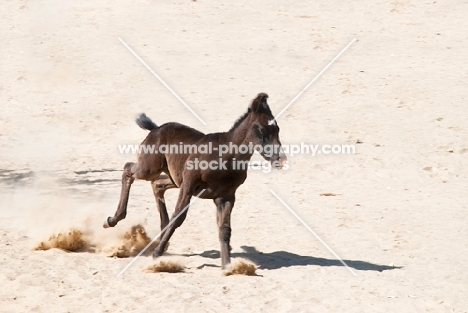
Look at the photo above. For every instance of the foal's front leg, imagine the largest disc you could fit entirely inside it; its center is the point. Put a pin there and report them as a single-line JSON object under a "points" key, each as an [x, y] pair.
{"points": [[224, 207]]}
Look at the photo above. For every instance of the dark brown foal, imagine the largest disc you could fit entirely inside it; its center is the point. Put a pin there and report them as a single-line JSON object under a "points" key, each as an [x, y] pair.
{"points": [[218, 173]]}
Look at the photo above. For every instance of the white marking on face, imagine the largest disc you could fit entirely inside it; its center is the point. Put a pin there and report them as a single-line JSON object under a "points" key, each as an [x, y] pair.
{"points": [[271, 122]]}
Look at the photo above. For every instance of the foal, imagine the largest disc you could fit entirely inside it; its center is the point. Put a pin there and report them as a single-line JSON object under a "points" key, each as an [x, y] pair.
{"points": [[256, 128]]}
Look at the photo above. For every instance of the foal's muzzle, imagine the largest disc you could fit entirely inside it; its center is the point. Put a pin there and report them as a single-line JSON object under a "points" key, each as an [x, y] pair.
{"points": [[279, 161]]}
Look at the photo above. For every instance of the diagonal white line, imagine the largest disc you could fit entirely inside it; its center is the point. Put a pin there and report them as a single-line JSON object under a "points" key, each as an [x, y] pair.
{"points": [[315, 78], [157, 236], [162, 81], [313, 233]]}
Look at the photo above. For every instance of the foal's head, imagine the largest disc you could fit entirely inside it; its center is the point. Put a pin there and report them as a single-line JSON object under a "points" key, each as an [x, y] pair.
{"points": [[263, 131]]}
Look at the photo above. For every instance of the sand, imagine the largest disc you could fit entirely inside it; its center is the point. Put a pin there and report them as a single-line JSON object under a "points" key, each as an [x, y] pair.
{"points": [[395, 211]]}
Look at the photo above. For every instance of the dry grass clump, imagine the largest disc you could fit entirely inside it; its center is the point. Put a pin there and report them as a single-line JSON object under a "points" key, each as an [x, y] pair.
{"points": [[241, 267], [167, 266], [73, 240], [133, 242]]}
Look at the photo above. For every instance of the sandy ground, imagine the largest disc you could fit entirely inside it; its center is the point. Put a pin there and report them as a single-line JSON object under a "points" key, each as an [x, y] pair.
{"points": [[70, 91]]}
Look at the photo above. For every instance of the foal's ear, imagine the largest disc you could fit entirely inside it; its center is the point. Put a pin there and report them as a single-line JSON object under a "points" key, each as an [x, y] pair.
{"points": [[260, 104]]}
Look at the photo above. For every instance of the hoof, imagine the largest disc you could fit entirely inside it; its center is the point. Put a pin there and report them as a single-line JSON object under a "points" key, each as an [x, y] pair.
{"points": [[107, 223], [157, 253]]}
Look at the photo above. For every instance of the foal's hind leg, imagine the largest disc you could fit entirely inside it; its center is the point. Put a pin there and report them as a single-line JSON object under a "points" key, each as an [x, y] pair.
{"points": [[131, 172], [127, 180], [160, 186]]}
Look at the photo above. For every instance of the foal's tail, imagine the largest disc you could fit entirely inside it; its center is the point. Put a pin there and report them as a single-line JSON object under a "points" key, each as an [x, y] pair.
{"points": [[145, 122]]}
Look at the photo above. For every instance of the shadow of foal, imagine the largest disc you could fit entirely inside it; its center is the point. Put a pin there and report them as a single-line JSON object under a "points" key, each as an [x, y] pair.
{"points": [[278, 259], [209, 175]]}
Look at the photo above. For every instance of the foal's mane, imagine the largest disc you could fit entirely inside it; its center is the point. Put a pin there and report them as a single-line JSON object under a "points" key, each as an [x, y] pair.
{"points": [[240, 120]]}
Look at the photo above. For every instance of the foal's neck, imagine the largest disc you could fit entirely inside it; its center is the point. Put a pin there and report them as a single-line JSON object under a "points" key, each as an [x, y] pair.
{"points": [[238, 136]]}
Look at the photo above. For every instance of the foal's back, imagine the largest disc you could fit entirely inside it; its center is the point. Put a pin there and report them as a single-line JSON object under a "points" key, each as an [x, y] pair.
{"points": [[169, 134]]}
